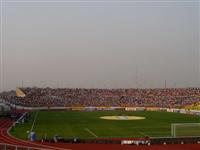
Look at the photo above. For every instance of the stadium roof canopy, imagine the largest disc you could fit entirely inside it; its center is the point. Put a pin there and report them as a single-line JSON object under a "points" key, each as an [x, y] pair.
{"points": [[19, 93]]}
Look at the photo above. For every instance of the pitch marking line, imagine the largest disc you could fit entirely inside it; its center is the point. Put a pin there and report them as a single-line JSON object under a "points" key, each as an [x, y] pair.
{"points": [[89, 131], [143, 133], [34, 121]]}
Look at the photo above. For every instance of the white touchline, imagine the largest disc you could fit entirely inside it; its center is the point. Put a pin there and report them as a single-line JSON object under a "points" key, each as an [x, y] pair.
{"points": [[34, 121], [89, 131]]}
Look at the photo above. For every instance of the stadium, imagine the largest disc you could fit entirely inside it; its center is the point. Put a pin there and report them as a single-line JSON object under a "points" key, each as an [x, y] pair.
{"points": [[104, 117], [99, 75]]}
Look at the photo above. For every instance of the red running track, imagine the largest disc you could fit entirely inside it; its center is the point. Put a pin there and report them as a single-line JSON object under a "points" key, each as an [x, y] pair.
{"points": [[6, 138], [5, 124]]}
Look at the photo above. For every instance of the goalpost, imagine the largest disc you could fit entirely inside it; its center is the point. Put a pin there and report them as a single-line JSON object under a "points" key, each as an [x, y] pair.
{"points": [[185, 129]]}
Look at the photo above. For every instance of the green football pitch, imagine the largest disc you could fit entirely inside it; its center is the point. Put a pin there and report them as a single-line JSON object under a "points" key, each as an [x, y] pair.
{"points": [[80, 124]]}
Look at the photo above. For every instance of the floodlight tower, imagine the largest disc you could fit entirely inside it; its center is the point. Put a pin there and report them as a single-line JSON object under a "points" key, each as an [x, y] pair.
{"points": [[136, 77], [1, 48]]}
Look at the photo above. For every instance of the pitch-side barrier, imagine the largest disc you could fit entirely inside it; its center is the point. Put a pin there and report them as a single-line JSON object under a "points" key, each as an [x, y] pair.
{"points": [[4, 146]]}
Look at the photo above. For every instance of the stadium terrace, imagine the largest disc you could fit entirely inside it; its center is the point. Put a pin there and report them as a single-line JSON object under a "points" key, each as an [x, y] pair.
{"points": [[68, 97]]}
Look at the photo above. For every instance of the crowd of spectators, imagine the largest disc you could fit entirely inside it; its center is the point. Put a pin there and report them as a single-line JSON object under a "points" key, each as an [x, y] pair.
{"points": [[68, 97]]}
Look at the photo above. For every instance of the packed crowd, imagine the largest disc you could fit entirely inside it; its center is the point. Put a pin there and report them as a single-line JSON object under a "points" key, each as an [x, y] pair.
{"points": [[67, 97]]}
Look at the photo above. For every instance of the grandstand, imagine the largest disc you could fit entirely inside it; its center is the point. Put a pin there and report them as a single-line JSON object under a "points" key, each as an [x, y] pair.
{"points": [[66, 97]]}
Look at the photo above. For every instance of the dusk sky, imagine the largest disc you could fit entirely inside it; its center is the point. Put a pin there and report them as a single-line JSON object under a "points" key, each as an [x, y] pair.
{"points": [[100, 44]]}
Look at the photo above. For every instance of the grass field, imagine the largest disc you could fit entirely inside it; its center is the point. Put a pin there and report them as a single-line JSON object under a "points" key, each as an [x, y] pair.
{"points": [[70, 124]]}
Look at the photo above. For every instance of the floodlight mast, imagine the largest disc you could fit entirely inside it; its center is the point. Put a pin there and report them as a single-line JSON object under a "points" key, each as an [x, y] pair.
{"points": [[1, 48], [136, 77]]}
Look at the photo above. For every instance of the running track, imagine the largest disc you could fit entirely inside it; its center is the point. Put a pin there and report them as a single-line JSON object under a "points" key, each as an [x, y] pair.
{"points": [[6, 138]]}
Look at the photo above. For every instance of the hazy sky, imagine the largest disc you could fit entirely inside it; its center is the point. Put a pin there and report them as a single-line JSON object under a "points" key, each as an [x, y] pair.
{"points": [[100, 44]]}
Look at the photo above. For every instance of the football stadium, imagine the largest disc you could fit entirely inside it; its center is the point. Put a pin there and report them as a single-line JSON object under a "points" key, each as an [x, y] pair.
{"points": [[56, 118], [99, 74]]}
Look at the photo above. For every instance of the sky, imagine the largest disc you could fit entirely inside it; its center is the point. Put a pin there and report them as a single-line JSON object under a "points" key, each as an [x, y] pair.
{"points": [[100, 44]]}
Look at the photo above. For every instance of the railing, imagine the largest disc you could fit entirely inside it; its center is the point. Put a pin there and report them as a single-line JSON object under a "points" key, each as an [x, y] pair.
{"points": [[21, 118], [4, 146]]}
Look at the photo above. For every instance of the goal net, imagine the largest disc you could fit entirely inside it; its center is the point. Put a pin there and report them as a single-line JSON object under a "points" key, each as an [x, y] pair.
{"points": [[185, 129]]}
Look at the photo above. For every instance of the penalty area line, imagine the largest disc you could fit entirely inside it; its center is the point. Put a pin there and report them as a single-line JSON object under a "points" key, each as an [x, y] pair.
{"points": [[92, 133]]}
